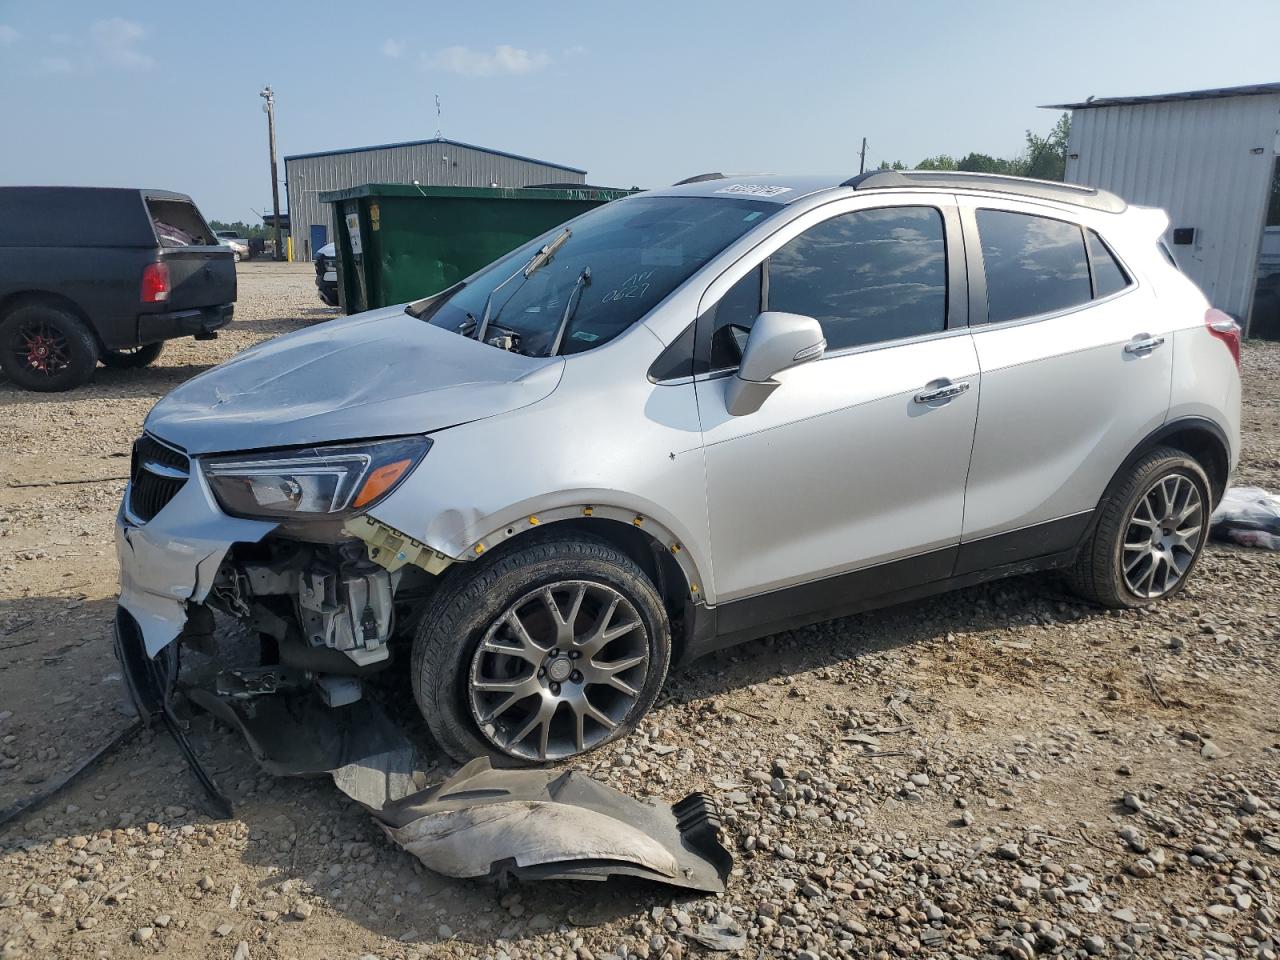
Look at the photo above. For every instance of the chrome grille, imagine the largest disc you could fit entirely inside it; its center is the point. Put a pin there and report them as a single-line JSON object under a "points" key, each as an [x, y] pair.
{"points": [[156, 474]]}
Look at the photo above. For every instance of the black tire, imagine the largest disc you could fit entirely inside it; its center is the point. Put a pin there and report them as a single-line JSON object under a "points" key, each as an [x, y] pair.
{"points": [[1099, 571], [46, 348], [472, 601], [132, 359]]}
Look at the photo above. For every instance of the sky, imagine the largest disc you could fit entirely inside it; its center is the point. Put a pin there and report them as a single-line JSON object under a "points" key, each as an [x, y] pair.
{"points": [[166, 95]]}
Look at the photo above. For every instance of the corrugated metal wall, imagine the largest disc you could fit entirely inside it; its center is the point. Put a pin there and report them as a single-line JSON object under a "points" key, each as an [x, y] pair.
{"points": [[1195, 160], [432, 164]]}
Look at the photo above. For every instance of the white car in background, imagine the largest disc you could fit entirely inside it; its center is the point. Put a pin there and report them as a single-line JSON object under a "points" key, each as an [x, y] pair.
{"points": [[238, 244]]}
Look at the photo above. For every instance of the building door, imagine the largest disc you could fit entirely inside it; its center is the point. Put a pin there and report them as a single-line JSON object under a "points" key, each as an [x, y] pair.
{"points": [[319, 237]]}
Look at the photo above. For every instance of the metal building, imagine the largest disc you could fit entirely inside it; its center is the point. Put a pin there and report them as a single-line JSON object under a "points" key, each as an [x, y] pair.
{"points": [[1208, 158], [435, 163]]}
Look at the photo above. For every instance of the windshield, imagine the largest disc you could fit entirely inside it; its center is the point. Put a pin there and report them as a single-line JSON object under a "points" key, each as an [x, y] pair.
{"points": [[617, 263]]}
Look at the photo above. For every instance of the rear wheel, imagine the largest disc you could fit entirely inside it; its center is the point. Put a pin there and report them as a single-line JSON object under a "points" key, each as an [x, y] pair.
{"points": [[132, 358], [541, 654], [1150, 533], [46, 348]]}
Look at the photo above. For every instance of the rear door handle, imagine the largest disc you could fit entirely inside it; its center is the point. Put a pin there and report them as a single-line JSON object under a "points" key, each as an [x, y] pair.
{"points": [[1143, 344], [947, 391]]}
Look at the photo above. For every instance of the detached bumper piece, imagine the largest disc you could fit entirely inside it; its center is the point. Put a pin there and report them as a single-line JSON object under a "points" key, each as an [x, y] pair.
{"points": [[551, 825], [482, 822], [151, 683]]}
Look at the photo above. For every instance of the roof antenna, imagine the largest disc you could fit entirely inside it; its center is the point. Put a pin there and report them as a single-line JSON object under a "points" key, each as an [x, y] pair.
{"points": [[439, 124]]}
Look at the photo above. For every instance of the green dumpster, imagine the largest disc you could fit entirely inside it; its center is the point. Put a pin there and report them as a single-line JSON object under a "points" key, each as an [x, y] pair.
{"points": [[397, 242]]}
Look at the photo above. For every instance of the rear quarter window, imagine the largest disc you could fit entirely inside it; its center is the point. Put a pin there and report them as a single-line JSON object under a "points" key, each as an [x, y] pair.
{"points": [[1108, 276]]}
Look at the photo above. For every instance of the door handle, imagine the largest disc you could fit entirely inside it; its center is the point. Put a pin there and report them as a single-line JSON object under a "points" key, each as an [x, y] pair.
{"points": [[947, 391], [1143, 344]]}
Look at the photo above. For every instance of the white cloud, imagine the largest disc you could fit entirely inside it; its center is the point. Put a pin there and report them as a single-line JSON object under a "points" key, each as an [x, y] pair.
{"points": [[392, 48], [503, 59], [8, 35], [56, 65], [116, 41]]}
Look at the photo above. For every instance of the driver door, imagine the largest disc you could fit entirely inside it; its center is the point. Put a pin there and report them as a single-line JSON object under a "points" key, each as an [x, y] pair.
{"points": [[849, 480]]}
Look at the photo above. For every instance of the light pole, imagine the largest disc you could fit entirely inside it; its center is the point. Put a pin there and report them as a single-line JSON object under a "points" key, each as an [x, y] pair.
{"points": [[269, 108]]}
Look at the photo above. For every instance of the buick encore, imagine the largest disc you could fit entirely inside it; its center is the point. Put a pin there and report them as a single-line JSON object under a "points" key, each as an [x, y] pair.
{"points": [[687, 418]]}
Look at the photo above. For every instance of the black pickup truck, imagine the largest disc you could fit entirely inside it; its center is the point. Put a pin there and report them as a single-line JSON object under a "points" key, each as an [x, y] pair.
{"points": [[91, 274]]}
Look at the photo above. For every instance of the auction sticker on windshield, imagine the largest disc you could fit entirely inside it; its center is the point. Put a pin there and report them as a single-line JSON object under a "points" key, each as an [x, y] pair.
{"points": [[754, 189]]}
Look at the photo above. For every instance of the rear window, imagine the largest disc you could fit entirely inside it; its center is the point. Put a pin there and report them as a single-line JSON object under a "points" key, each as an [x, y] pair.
{"points": [[179, 224], [1034, 265]]}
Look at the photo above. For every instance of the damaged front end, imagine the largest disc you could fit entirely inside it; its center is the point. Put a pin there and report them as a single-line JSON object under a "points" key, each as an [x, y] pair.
{"points": [[317, 604], [315, 612]]}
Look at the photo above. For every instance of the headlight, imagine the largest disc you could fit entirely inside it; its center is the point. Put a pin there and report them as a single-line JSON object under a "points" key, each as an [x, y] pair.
{"points": [[319, 481]]}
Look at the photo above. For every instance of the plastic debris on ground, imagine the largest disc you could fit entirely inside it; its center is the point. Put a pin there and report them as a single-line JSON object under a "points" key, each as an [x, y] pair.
{"points": [[1248, 516]]}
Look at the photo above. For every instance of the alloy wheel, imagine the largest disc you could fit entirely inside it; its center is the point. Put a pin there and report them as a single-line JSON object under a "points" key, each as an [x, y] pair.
{"points": [[42, 347], [1162, 536], [559, 670]]}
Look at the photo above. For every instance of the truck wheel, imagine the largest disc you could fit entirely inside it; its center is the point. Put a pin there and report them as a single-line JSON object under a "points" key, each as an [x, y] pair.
{"points": [[1151, 529], [46, 348], [133, 358], [541, 653]]}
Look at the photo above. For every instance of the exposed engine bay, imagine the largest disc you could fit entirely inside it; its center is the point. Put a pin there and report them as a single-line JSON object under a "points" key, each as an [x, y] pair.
{"points": [[312, 600]]}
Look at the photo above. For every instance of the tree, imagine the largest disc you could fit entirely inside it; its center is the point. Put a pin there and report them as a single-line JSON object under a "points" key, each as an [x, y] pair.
{"points": [[896, 165], [1046, 157], [941, 162]]}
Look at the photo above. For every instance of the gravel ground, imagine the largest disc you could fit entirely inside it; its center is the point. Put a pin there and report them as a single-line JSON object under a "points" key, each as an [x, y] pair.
{"points": [[1002, 772]]}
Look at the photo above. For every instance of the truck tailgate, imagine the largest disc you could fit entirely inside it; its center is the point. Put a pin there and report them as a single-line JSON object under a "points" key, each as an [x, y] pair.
{"points": [[199, 277]]}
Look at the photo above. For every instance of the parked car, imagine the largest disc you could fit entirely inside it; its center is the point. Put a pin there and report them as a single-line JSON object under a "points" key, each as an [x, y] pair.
{"points": [[327, 274], [90, 274], [685, 419], [238, 244]]}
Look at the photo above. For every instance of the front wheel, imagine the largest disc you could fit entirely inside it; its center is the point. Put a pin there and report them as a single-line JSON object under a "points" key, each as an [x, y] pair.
{"points": [[541, 654], [132, 358], [1151, 529]]}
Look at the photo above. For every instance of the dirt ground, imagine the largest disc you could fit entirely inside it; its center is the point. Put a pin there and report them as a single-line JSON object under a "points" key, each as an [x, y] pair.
{"points": [[999, 772]]}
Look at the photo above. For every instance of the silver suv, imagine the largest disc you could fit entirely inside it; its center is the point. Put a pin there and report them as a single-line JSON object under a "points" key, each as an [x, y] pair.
{"points": [[685, 419]]}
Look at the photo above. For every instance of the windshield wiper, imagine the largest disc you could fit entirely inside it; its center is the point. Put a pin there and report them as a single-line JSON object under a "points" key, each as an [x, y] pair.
{"points": [[536, 262], [570, 305]]}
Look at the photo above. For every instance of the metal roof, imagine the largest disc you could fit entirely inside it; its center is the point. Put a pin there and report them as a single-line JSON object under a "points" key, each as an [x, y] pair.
{"points": [[1217, 93], [422, 143]]}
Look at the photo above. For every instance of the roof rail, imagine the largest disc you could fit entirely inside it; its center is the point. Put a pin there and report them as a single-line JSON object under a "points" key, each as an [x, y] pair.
{"points": [[996, 183], [699, 178]]}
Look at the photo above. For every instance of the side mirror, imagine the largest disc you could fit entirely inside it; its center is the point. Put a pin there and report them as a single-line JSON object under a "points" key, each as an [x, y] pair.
{"points": [[778, 341]]}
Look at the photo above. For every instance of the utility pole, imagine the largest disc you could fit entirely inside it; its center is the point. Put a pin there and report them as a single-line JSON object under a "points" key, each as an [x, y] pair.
{"points": [[862, 156], [269, 108]]}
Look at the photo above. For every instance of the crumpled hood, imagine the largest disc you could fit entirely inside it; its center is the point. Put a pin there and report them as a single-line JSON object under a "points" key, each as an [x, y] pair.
{"points": [[376, 374]]}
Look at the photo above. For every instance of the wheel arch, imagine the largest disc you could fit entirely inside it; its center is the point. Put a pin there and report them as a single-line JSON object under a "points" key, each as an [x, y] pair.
{"points": [[646, 541], [1199, 438], [48, 298]]}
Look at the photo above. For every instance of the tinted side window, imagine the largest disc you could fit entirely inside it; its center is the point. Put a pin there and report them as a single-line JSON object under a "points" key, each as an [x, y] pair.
{"points": [[1108, 276], [1034, 264], [867, 277]]}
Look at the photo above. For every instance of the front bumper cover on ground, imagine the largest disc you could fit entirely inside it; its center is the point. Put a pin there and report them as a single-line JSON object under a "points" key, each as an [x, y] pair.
{"points": [[482, 822]]}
